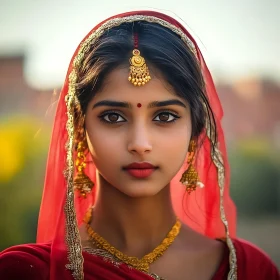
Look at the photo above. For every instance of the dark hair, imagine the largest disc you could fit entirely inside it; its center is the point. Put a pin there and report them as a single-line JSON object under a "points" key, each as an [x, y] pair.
{"points": [[163, 50]]}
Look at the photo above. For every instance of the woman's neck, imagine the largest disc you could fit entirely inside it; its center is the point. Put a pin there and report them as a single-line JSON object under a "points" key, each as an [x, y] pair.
{"points": [[134, 226]]}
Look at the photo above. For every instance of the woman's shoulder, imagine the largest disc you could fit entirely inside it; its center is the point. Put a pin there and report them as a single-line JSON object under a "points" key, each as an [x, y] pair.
{"points": [[28, 261], [253, 263]]}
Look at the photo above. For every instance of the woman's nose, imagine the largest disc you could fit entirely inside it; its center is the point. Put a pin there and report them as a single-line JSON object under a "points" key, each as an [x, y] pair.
{"points": [[139, 140]]}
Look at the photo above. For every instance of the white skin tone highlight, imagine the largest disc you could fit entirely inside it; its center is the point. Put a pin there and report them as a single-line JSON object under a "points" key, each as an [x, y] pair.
{"points": [[134, 214]]}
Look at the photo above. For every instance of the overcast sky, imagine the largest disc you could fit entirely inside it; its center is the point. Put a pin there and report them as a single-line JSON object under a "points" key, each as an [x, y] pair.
{"points": [[237, 37]]}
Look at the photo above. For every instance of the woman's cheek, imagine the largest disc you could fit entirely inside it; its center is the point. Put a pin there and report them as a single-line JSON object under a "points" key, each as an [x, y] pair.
{"points": [[103, 145]]}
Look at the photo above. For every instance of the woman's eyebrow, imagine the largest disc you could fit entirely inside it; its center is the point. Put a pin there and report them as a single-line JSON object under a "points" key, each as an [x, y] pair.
{"points": [[122, 104], [112, 103], [166, 103]]}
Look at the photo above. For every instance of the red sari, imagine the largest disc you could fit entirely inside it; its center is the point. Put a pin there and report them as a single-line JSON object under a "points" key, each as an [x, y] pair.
{"points": [[32, 262], [59, 255]]}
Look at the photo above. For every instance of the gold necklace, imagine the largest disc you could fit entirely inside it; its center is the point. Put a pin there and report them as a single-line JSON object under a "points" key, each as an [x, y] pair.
{"points": [[140, 264]]}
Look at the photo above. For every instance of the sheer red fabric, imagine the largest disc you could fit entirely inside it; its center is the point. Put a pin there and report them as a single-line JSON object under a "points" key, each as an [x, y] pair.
{"points": [[200, 210]]}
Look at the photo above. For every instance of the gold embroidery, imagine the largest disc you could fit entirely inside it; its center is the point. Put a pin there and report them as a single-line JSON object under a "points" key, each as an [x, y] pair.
{"points": [[72, 234], [218, 161], [107, 257], [104, 255], [85, 45]]}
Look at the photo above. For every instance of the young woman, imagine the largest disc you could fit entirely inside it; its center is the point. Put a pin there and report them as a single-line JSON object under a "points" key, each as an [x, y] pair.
{"points": [[137, 182]]}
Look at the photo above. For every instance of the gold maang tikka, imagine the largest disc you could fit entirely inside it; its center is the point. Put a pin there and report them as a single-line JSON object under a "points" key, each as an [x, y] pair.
{"points": [[190, 177], [139, 73], [82, 182]]}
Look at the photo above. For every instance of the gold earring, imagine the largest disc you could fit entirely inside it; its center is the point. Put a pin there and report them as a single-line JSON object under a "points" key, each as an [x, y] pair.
{"points": [[190, 177], [82, 182]]}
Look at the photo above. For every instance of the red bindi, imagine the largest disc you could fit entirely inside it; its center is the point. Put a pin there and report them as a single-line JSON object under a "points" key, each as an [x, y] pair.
{"points": [[139, 105]]}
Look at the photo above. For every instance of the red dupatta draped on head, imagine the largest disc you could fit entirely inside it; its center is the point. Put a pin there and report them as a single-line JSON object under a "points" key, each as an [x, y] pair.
{"points": [[209, 211]]}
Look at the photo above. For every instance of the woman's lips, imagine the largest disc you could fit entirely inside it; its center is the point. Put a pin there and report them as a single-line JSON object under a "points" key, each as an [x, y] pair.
{"points": [[140, 169], [140, 173]]}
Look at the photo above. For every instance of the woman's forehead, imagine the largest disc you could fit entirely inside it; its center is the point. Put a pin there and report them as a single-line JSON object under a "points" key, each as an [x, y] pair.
{"points": [[116, 86]]}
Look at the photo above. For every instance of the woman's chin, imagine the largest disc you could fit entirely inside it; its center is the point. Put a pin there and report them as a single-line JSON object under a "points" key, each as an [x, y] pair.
{"points": [[140, 191]]}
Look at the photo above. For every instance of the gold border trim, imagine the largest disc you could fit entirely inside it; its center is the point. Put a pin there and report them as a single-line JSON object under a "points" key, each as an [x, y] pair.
{"points": [[218, 161], [85, 45], [115, 261], [73, 240]]}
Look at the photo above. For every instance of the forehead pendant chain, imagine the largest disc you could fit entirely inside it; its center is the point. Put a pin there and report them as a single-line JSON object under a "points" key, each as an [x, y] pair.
{"points": [[139, 73]]}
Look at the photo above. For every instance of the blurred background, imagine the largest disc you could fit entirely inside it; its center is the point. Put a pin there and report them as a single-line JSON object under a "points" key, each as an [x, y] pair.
{"points": [[240, 41]]}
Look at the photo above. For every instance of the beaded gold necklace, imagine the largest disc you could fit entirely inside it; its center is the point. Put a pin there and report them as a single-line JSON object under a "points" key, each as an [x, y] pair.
{"points": [[140, 264]]}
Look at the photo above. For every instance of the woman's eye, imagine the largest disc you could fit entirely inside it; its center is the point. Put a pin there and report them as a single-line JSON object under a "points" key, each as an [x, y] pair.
{"points": [[165, 117], [112, 118]]}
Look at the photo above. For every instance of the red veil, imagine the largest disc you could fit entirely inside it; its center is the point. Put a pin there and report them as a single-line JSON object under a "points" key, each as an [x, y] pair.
{"points": [[209, 211]]}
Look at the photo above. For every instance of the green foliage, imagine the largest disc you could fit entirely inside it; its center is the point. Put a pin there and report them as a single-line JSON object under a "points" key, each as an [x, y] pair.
{"points": [[255, 178], [23, 150]]}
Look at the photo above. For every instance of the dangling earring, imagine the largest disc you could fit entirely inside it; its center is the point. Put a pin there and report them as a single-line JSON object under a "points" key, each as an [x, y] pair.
{"points": [[190, 177], [82, 182]]}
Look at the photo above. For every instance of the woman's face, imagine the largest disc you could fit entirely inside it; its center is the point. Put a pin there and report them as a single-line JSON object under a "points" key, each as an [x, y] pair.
{"points": [[138, 136]]}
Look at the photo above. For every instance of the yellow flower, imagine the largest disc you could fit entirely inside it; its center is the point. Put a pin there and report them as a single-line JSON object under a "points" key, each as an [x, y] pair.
{"points": [[11, 157]]}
